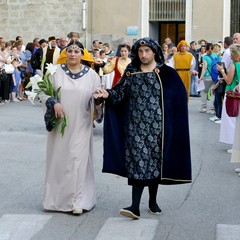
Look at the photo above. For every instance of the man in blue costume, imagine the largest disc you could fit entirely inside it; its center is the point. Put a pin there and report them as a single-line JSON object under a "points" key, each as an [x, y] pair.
{"points": [[146, 133]]}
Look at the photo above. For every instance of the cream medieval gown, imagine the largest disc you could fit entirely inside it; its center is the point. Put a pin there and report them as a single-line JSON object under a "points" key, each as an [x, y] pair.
{"points": [[69, 182]]}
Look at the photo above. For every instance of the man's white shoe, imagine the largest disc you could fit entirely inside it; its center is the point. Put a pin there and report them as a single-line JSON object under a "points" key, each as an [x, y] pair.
{"points": [[213, 119], [237, 170], [229, 151], [218, 121]]}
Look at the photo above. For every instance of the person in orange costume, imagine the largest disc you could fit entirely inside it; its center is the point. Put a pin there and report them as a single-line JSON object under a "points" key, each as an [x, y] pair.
{"points": [[184, 63], [87, 58]]}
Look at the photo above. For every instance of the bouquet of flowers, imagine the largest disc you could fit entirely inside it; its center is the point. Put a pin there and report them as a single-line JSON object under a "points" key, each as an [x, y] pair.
{"points": [[44, 85]]}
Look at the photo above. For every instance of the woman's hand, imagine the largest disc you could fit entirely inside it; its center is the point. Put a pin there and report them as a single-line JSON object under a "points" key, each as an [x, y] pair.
{"points": [[58, 110], [220, 68], [236, 89]]}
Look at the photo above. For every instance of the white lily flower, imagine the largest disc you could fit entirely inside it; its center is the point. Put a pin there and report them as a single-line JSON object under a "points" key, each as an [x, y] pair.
{"points": [[51, 68], [34, 80], [31, 96], [46, 88]]}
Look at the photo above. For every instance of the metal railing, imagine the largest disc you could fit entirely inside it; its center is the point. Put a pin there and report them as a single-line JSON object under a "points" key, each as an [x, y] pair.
{"points": [[167, 10], [235, 16]]}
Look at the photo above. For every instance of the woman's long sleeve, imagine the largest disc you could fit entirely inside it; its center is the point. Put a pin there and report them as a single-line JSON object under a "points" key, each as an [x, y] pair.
{"points": [[110, 66]]}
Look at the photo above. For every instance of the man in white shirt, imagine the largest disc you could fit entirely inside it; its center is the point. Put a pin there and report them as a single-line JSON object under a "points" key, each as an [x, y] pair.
{"points": [[226, 55]]}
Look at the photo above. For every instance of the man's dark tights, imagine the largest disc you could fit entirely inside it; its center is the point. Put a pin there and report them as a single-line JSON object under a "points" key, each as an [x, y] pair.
{"points": [[153, 206], [136, 198]]}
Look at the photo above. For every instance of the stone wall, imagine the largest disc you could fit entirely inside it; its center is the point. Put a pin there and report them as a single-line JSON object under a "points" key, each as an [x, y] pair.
{"points": [[40, 18]]}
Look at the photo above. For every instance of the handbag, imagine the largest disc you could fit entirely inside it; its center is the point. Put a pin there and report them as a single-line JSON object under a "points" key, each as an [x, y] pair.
{"points": [[232, 103], [9, 68], [3, 75]]}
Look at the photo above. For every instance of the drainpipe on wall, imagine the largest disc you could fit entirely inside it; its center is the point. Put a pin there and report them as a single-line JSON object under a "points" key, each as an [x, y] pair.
{"points": [[226, 18], [84, 15], [84, 20], [144, 24], [92, 2], [188, 21]]}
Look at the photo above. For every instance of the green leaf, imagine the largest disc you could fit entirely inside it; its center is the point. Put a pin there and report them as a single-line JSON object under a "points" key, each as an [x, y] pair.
{"points": [[46, 87], [64, 124], [58, 121], [29, 85], [57, 93]]}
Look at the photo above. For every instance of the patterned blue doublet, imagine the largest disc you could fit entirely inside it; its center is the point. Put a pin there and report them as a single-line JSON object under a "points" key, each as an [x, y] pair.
{"points": [[143, 124]]}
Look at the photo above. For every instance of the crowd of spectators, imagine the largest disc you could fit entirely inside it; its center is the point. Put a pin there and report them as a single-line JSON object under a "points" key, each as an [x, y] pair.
{"points": [[18, 62], [32, 58]]}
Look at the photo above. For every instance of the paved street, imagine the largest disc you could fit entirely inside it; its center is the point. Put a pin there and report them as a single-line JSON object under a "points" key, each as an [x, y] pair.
{"points": [[207, 209]]}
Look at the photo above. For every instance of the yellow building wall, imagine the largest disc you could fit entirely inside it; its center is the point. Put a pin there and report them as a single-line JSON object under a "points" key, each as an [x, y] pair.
{"points": [[108, 20], [207, 20]]}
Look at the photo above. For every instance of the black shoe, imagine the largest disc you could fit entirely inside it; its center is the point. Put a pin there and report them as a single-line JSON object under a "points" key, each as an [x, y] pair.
{"points": [[154, 209], [194, 95], [130, 212]]}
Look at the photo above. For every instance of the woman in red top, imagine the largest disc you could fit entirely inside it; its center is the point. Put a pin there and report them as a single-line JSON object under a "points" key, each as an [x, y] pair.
{"points": [[118, 64]]}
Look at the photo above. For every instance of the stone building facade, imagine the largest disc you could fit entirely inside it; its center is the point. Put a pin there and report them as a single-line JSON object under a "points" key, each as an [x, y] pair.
{"points": [[40, 18]]}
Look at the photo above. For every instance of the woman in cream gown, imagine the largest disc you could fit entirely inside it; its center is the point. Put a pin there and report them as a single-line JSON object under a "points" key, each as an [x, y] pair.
{"points": [[69, 183]]}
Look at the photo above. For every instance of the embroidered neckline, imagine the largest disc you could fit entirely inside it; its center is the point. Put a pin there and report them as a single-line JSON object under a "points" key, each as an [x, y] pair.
{"points": [[75, 75]]}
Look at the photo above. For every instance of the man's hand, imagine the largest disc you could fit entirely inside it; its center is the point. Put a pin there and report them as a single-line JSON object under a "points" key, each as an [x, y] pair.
{"points": [[194, 73], [99, 95]]}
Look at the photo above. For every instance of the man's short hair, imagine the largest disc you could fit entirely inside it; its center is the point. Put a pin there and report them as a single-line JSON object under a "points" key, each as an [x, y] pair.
{"points": [[106, 45], [193, 43], [228, 41], [73, 35]]}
